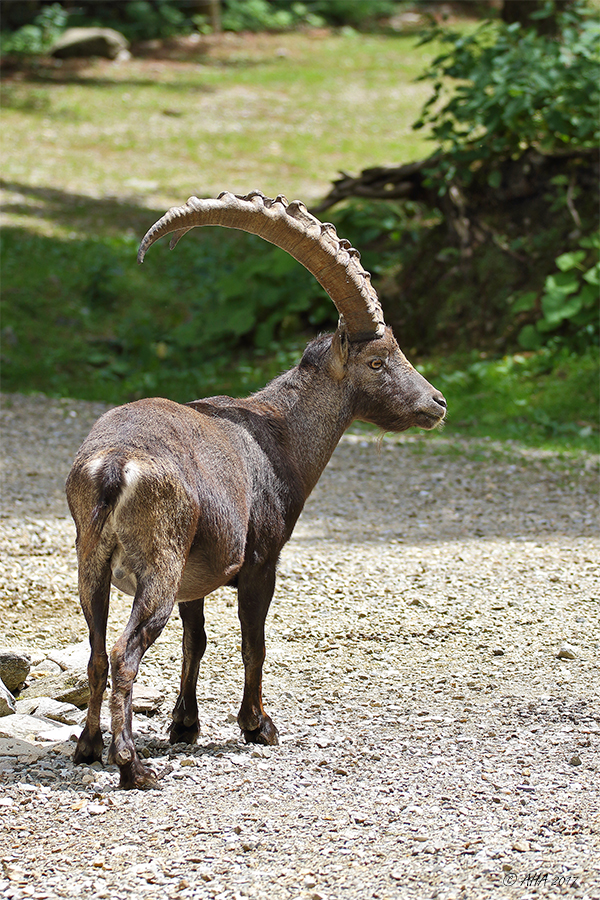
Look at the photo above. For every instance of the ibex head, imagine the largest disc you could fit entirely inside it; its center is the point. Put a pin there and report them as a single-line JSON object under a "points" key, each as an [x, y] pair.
{"points": [[363, 351]]}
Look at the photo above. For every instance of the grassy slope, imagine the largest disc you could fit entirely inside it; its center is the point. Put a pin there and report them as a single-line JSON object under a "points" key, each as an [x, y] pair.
{"points": [[282, 112], [93, 154]]}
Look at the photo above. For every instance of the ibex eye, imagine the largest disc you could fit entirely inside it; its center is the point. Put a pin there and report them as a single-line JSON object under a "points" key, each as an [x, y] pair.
{"points": [[376, 363]]}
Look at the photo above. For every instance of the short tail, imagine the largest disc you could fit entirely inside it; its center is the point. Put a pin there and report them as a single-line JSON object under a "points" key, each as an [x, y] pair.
{"points": [[109, 481]]}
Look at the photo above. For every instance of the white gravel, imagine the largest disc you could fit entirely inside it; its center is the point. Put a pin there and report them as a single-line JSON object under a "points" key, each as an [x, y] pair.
{"points": [[432, 742]]}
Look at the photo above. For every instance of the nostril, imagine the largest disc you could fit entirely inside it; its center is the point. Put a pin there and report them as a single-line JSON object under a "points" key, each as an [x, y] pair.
{"points": [[441, 401]]}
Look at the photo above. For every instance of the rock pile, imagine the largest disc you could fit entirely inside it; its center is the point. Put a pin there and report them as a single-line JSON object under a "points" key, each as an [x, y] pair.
{"points": [[43, 699], [39, 703]]}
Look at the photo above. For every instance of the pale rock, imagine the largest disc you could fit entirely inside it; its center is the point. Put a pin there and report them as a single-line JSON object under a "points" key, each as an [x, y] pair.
{"points": [[30, 728], [17, 747], [14, 669], [73, 656], [146, 698], [60, 733], [95, 809], [86, 42], [89, 778], [521, 846], [15, 873], [46, 707], [67, 687], [63, 748], [7, 701], [43, 668]]}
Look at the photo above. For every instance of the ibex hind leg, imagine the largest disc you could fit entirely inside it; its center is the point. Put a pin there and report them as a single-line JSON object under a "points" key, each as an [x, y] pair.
{"points": [[94, 593], [152, 606], [185, 726]]}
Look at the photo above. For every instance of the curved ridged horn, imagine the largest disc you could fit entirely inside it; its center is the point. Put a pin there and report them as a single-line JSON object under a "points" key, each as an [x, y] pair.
{"points": [[332, 261]]}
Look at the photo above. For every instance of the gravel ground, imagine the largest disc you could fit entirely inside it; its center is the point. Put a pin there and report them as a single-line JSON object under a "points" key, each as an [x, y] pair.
{"points": [[432, 743]]}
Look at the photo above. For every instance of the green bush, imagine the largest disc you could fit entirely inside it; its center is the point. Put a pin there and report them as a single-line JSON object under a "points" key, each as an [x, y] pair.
{"points": [[138, 20], [281, 15], [514, 89], [355, 13], [37, 37], [145, 21], [525, 396], [568, 307], [257, 15], [172, 327]]}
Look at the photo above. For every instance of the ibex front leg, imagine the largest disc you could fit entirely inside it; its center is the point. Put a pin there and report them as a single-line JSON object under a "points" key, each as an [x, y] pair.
{"points": [[185, 726], [255, 590]]}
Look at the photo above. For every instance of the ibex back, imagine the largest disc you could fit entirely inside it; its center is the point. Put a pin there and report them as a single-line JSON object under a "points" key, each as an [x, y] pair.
{"points": [[172, 501]]}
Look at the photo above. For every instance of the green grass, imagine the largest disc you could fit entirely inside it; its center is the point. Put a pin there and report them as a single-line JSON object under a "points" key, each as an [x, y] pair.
{"points": [[549, 400], [93, 153], [279, 112]]}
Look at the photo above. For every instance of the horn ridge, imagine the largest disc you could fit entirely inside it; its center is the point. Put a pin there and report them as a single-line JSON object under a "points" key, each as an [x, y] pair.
{"points": [[289, 225]]}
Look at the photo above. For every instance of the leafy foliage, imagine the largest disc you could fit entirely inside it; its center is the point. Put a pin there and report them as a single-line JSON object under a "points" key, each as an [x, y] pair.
{"points": [[142, 20], [145, 21], [177, 332], [138, 20], [516, 92], [259, 15], [569, 302], [355, 13], [38, 36], [515, 89]]}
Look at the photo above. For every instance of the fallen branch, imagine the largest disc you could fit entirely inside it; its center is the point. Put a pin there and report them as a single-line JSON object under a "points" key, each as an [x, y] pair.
{"points": [[417, 181]]}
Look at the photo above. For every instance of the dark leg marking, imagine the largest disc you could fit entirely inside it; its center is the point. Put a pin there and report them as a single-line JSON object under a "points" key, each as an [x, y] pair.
{"points": [[185, 726], [255, 590]]}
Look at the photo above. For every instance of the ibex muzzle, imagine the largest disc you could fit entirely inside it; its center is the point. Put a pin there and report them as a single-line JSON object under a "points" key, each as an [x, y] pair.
{"points": [[172, 501]]}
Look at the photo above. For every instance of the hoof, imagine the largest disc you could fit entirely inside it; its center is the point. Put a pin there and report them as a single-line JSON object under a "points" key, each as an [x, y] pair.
{"points": [[135, 775], [266, 734], [179, 733], [88, 750]]}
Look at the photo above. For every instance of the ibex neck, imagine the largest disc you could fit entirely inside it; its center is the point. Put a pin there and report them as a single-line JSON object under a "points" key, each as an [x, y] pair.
{"points": [[315, 414]]}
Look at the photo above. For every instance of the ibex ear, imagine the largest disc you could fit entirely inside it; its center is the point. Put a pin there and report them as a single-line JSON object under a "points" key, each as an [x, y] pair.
{"points": [[339, 353]]}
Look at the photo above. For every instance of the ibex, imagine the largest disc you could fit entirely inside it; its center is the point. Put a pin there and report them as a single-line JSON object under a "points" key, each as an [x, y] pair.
{"points": [[172, 501]]}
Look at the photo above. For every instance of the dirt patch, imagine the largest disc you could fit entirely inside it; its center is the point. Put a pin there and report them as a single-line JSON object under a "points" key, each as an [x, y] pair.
{"points": [[432, 742]]}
